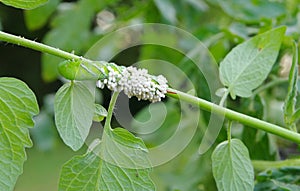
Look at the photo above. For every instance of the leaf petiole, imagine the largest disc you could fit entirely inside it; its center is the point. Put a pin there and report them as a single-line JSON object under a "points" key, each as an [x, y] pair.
{"points": [[110, 111], [224, 97], [229, 131]]}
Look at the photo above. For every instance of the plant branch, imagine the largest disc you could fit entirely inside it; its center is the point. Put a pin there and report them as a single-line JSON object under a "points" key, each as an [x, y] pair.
{"points": [[236, 116], [260, 165], [230, 114], [21, 41]]}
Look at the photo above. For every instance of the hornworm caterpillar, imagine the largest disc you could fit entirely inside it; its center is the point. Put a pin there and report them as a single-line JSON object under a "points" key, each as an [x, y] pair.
{"points": [[131, 80], [80, 70]]}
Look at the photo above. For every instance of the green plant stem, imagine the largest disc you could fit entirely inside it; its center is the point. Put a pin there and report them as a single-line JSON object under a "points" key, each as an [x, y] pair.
{"points": [[110, 111], [236, 116], [21, 41], [230, 114], [263, 165], [229, 131]]}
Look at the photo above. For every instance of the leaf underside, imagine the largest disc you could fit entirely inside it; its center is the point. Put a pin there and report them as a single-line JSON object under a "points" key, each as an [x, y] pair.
{"points": [[248, 64], [17, 107], [232, 168], [118, 162], [74, 111]]}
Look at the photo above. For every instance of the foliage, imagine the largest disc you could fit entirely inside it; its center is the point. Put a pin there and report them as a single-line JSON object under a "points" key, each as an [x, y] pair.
{"points": [[285, 178], [290, 102], [74, 112], [33, 19], [24, 4], [73, 23], [249, 63], [249, 39], [253, 11], [237, 172], [18, 106], [96, 170]]}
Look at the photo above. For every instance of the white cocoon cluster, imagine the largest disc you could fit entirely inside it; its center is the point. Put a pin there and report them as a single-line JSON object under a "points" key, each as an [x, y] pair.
{"points": [[135, 82]]}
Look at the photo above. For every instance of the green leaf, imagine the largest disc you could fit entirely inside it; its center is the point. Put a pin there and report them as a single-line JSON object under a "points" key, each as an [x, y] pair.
{"points": [[119, 162], [100, 113], [74, 109], [38, 17], [169, 15], [259, 144], [199, 5], [17, 107], [253, 11], [232, 167], [290, 100], [71, 31], [249, 63], [284, 178], [296, 115], [24, 4], [286, 187]]}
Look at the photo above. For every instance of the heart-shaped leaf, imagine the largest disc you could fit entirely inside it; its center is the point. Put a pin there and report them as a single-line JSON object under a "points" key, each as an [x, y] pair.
{"points": [[232, 168], [119, 162], [74, 110], [249, 63]]}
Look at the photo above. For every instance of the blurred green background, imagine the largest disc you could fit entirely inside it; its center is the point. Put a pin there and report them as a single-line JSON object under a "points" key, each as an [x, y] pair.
{"points": [[77, 25]]}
